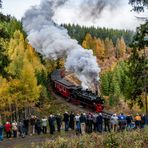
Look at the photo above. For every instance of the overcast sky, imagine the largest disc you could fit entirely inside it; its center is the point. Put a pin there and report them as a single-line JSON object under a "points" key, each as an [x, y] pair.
{"points": [[121, 17]]}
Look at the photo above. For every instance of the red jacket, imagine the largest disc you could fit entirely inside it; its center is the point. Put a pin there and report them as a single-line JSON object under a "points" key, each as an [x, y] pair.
{"points": [[7, 127]]}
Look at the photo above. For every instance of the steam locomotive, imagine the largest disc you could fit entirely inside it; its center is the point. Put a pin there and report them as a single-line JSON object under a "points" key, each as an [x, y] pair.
{"points": [[75, 94]]}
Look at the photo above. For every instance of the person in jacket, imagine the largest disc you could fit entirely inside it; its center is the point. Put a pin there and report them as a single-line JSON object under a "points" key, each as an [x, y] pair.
{"points": [[143, 120], [8, 129], [137, 121], [26, 125], [44, 125], [58, 122], [21, 129], [83, 123], [14, 128], [66, 120], [77, 119], [71, 120], [107, 123], [38, 126], [129, 120], [1, 131], [32, 124], [122, 121], [89, 122], [114, 122], [95, 122], [51, 123], [99, 122]]}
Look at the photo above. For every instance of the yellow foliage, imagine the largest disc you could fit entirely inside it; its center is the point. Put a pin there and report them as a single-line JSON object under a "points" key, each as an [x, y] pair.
{"points": [[3, 92], [88, 42], [34, 59], [16, 52], [114, 64], [23, 90], [16, 46], [29, 82], [99, 48], [97, 45], [120, 47]]}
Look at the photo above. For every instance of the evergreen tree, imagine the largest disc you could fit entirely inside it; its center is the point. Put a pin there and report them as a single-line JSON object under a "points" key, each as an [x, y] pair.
{"points": [[4, 61], [105, 84], [116, 80], [138, 62], [79, 32], [13, 26]]}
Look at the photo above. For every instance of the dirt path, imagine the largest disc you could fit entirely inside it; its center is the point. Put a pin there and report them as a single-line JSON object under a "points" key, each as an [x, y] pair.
{"points": [[28, 141], [22, 142]]}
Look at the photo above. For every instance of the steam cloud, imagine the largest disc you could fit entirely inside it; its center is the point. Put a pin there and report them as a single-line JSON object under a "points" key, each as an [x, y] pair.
{"points": [[94, 8], [53, 41]]}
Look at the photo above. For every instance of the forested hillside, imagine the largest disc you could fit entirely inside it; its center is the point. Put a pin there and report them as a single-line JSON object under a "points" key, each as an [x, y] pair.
{"points": [[121, 61], [79, 32], [24, 72]]}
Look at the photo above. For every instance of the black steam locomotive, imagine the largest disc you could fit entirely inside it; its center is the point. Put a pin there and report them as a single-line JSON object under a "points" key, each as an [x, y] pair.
{"points": [[75, 94]]}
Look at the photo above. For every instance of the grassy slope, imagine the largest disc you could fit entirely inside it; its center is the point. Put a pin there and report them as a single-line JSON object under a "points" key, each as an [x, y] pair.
{"points": [[126, 139]]}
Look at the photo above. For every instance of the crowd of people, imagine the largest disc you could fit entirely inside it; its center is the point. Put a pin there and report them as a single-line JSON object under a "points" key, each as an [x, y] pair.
{"points": [[81, 123]]}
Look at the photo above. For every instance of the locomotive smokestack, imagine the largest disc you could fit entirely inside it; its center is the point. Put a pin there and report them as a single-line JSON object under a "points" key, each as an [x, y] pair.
{"points": [[53, 41]]}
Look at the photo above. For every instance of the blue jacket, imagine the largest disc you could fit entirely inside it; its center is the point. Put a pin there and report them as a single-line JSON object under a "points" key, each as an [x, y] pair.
{"points": [[1, 133], [122, 117]]}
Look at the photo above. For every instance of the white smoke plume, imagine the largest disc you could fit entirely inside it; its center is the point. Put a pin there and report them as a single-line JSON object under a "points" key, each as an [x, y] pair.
{"points": [[94, 8], [53, 41]]}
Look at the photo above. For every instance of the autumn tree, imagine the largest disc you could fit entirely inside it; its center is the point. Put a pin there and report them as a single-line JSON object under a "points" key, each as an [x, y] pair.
{"points": [[88, 42], [29, 85], [79, 33], [109, 47], [97, 45], [99, 48], [16, 54], [120, 48], [28, 75], [4, 99]]}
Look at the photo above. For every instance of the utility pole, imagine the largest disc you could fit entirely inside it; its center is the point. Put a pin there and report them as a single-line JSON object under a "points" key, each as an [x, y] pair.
{"points": [[145, 77]]}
